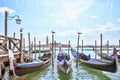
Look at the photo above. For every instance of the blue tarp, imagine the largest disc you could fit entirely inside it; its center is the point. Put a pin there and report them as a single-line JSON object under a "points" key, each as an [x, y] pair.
{"points": [[79, 55], [61, 56], [31, 63]]}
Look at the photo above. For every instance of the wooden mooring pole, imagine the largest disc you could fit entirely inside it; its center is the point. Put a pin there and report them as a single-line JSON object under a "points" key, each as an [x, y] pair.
{"points": [[35, 46], [119, 46], [101, 46], [21, 54], [32, 45], [14, 34], [29, 44], [68, 46], [53, 51], [39, 46], [23, 43], [108, 46], [82, 46], [78, 48], [55, 48], [95, 48], [32, 48]]}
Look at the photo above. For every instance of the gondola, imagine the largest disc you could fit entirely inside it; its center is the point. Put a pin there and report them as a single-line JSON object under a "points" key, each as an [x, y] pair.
{"points": [[108, 56], [99, 64], [79, 55], [63, 61], [25, 68]]}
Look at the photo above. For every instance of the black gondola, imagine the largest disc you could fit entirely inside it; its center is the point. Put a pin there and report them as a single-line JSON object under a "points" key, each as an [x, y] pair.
{"points": [[108, 56], [63, 61], [25, 68], [99, 64]]}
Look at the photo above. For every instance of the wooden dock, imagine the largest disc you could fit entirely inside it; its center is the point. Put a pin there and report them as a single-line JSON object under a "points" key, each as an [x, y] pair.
{"points": [[15, 45], [11, 43]]}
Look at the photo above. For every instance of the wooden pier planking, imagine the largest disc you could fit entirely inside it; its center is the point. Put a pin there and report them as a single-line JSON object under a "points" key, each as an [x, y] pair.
{"points": [[12, 44]]}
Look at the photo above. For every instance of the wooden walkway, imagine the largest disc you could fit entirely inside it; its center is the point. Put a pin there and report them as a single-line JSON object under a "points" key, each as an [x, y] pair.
{"points": [[12, 44], [15, 45]]}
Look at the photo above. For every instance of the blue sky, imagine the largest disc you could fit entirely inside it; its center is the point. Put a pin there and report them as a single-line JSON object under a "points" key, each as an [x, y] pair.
{"points": [[66, 18]]}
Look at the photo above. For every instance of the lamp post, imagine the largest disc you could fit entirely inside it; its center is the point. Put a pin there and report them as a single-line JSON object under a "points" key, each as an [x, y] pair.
{"points": [[78, 48], [18, 21]]}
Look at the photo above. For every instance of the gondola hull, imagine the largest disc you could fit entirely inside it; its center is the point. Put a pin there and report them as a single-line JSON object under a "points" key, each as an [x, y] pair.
{"points": [[100, 65], [107, 56], [26, 68], [65, 67], [64, 62]]}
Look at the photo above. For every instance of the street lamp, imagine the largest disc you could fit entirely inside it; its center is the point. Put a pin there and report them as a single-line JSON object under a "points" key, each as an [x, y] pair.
{"points": [[18, 20]]}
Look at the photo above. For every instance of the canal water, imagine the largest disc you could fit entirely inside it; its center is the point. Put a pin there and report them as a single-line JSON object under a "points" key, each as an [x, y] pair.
{"points": [[77, 73], [80, 73]]}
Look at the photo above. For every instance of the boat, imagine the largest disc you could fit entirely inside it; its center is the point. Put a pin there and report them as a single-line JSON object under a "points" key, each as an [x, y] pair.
{"points": [[108, 56], [64, 62], [79, 55], [25, 68], [99, 64]]}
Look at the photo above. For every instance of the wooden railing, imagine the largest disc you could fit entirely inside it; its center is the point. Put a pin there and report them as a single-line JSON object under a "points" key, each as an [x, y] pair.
{"points": [[9, 43]]}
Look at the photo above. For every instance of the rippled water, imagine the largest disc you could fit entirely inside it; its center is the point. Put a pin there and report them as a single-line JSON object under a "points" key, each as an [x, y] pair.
{"points": [[76, 73]]}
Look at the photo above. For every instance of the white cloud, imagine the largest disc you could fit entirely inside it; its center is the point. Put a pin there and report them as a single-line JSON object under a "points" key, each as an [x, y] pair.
{"points": [[118, 20], [69, 11], [3, 9], [48, 3], [93, 33], [94, 17], [66, 33], [109, 26]]}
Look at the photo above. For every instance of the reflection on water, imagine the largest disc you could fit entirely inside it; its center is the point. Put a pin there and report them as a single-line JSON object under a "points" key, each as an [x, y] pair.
{"points": [[63, 76], [114, 76], [76, 74], [80, 74]]}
